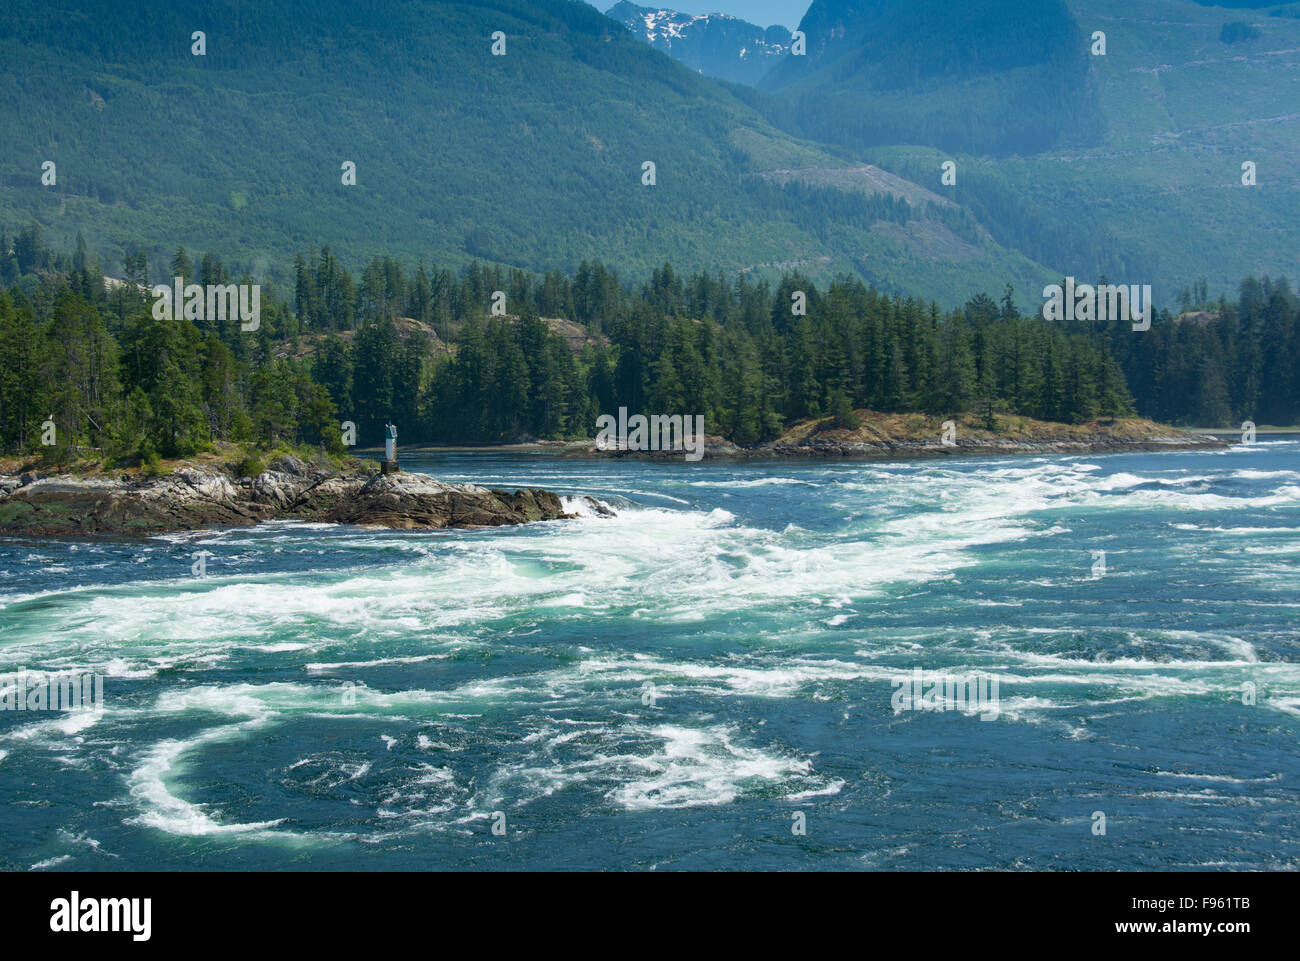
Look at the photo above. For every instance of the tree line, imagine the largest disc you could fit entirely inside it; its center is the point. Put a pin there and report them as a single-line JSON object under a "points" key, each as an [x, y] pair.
{"points": [[425, 350]]}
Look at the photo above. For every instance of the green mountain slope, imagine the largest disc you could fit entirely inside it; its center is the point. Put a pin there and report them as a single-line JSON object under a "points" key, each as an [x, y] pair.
{"points": [[1128, 164], [532, 159], [981, 76]]}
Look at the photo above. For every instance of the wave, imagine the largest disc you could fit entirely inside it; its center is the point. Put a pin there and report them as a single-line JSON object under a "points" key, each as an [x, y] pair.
{"points": [[755, 482], [53, 862], [426, 679]]}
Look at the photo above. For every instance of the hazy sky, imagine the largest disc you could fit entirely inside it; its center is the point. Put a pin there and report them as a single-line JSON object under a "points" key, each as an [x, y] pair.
{"points": [[762, 12]]}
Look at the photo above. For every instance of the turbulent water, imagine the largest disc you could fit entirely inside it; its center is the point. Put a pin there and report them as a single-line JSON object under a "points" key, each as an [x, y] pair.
{"points": [[690, 683]]}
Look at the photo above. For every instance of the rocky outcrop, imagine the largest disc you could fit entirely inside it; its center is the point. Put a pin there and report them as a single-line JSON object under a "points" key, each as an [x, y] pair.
{"points": [[67, 505], [885, 436], [191, 498], [905, 449], [419, 501]]}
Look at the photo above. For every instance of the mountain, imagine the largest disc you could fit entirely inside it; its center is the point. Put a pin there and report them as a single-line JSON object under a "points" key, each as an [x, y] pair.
{"points": [[714, 44], [1127, 163], [983, 76], [533, 159]]}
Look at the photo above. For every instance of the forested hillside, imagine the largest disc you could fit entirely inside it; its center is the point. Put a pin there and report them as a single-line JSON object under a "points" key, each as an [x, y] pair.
{"points": [[535, 158], [980, 77], [1157, 143], [132, 387]]}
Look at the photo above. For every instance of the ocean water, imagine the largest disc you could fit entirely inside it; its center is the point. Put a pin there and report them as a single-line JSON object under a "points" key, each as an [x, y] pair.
{"points": [[689, 683]]}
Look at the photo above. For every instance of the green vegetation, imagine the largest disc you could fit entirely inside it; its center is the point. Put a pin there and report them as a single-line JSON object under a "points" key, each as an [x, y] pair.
{"points": [[1127, 164], [1238, 31], [1067, 163], [980, 76], [530, 160], [249, 467], [425, 351]]}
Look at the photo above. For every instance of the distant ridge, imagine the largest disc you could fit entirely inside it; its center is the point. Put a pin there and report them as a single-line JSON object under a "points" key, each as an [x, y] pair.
{"points": [[715, 44]]}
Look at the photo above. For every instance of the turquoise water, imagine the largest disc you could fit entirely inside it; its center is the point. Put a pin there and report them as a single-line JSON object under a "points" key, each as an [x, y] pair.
{"points": [[670, 687]]}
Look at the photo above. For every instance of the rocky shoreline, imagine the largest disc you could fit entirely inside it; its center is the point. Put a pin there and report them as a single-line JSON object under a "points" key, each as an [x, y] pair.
{"points": [[194, 498], [881, 436], [909, 450], [908, 436], [716, 448]]}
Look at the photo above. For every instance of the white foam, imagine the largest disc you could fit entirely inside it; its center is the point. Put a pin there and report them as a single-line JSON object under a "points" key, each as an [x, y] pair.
{"points": [[443, 594], [705, 766], [1223, 778], [50, 862], [165, 811], [755, 482], [583, 508]]}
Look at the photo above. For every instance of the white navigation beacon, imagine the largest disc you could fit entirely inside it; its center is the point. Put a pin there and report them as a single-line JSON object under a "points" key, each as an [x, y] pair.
{"points": [[390, 442]]}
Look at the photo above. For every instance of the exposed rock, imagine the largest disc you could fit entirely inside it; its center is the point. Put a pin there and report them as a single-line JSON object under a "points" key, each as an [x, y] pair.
{"points": [[279, 490], [598, 508], [67, 505], [322, 466], [417, 500], [900, 436], [191, 498], [327, 494], [211, 485], [288, 464]]}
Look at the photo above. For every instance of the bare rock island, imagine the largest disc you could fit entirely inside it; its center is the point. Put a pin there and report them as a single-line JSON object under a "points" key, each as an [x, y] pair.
{"points": [[192, 498]]}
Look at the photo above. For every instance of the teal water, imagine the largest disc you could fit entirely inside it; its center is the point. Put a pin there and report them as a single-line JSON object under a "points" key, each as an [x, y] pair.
{"points": [[360, 700]]}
